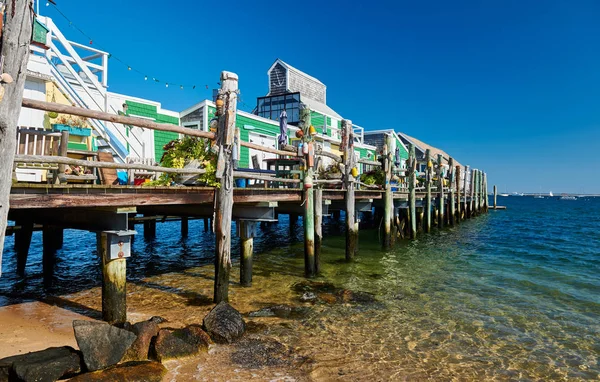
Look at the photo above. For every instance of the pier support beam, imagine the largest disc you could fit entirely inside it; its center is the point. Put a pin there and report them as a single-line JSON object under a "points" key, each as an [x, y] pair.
{"points": [[465, 191], [485, 193], [412, 180], [224, 195], [318, 228], [309, 200], [50, 245], [452, 202], [428, 178], [388, 197], [206, 224], [472, 193], [246, 230], [113, 248], [22, 244], [440, 197], [458, 193], [184, 226], [149, 229], [351, 226], [495, 197]]}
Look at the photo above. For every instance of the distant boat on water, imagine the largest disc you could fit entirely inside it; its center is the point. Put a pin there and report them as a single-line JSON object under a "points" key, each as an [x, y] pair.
{"points": [[538, 197], [503, 194], [550, 194]]}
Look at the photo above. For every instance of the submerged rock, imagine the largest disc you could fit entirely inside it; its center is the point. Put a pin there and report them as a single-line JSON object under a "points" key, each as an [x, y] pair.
{"points": [[224, 324], [140, 348], [255, 353], [308, 297], [347, 295], [179, 343], [41, 366], [314, 286], [102, 344], [129, 372], [281, 311]]}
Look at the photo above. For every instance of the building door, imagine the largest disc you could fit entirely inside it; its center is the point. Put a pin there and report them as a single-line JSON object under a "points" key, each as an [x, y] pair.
{"points": [[265, 141]]}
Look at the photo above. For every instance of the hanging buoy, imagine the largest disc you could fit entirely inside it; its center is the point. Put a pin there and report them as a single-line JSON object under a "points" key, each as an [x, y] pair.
{"points": [[299, 134], [312, 130], [305, 149], [308, 182], [300, 149], [354, 172], [429, 164]]}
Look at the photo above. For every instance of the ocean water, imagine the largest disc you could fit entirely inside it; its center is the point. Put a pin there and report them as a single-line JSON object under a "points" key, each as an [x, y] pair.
{"points": [[509, 295]]}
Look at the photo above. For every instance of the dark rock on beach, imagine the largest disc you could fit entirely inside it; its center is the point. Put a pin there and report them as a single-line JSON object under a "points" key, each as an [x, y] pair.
{"points": [[179, 343], [127, 372], [41, 366], [139, 350], [102, 344], [224, 324]]}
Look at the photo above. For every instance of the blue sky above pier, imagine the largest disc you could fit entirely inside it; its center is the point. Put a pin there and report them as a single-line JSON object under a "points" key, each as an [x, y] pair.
{"points": [[511, 87]]}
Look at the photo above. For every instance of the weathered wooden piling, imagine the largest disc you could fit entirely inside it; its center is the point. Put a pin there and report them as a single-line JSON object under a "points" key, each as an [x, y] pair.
{"points": [[149, 229], [351, 226], [246, 232], [49, 244], [206, 225], [472, 194], [440, 191], [388, 201], [318, 228], [451, 200], [114, 285], [485, 193], [309, 199], [22, 244], [226, 110], [412, 180], [184, 226], [458, 193], [466, 192], [495, 197], [428, 180]]}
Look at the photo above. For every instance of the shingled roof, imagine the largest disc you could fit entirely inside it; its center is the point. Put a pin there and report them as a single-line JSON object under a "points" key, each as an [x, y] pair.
{"points": [[422, 146]]}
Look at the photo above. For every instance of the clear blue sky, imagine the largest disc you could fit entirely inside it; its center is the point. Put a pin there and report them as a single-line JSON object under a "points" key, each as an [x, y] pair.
{"points": [[511, 87]]}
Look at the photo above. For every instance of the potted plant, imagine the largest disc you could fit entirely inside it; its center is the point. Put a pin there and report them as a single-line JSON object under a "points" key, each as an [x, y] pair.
{"points": [[333, 171], [74, 124], [188, 152]]}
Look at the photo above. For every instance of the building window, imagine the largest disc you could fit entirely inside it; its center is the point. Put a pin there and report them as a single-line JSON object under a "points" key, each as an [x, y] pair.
{"points": [[271, 107]]}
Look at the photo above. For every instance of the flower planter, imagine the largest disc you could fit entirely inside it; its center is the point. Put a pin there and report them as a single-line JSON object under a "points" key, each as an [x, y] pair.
{"points": [[73, 130], [190, 179]]}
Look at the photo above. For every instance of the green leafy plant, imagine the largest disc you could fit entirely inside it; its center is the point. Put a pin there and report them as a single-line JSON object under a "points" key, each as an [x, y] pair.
{"points": [[179, 152], [375, 177], [71, 120]]}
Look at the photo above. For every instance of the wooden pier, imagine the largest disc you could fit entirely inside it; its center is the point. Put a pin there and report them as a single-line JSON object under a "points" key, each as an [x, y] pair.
{"points": [[408, 208]]}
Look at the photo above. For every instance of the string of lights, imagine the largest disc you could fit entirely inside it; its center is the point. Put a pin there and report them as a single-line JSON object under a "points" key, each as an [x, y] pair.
{"points": [[113, 57]]}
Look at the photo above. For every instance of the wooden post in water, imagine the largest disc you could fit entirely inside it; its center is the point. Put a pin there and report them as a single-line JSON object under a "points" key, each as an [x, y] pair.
{"points": [[14, 54], [22, 244], [226, 110], [440, 192], [495, 197], [48, 251], [348, 150], [428, 180], [485, 193], [452, 212], [184, 226], [318, 228], [458, 192], [412, 180], [466, 192], [309, 197], [114, 280], [472, 194], [206, 225], [246, 231], [477, 191], [149, 229], [388, 201]]}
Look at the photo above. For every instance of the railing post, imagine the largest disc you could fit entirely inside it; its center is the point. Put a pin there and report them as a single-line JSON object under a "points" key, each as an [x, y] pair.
{"points": [[63, 149], [226, 110], [412, 180], [440, 192], [348, 150], [388, 197], [452, 212]]}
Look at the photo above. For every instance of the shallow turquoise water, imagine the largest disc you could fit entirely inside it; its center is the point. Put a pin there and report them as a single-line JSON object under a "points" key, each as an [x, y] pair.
{"points": [[512, 294]]}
